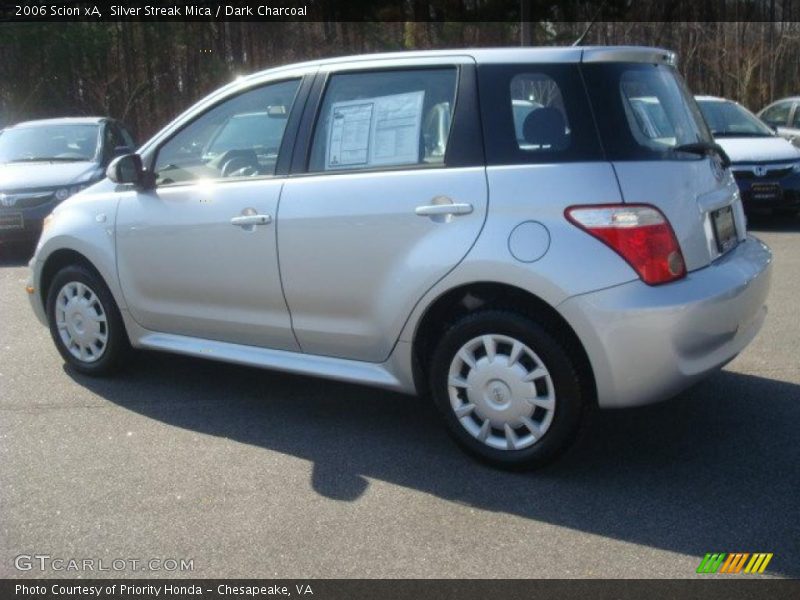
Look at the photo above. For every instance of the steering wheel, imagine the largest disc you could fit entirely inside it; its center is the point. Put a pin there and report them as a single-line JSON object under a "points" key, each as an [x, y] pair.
{"points": [[239, 166]]}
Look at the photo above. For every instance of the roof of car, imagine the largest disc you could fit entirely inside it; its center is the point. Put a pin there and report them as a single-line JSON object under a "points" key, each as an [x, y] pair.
{"points": [[62, 121], [507, 55], [523, 54], [510, 54]]}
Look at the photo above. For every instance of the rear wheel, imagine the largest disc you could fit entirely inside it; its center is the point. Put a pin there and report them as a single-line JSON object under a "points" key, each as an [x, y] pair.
{"points": [[85, 323], [509, 391]]}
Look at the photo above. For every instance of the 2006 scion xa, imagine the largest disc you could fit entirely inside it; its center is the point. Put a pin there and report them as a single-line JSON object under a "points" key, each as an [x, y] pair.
{"points": [[497, 229]]}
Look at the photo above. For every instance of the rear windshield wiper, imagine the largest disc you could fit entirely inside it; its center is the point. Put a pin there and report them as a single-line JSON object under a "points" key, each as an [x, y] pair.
{"points": [[705, 148]]}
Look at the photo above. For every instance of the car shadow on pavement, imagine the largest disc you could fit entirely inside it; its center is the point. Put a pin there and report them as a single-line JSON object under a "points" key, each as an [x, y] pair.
{"points": [[715, 469]]}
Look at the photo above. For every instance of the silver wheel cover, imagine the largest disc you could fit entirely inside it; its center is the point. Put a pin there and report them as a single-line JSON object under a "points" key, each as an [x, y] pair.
{"points": [[81, 322], [501, 392]]}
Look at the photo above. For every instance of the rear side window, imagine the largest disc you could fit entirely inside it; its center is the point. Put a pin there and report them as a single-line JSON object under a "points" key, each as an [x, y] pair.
{"points": [[536, 114], [540, 119], [644, 111], [384, 119]]}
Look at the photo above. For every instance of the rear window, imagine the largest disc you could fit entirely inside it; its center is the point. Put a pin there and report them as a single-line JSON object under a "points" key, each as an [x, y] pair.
{"points": [[536, 114], [644, 111]]}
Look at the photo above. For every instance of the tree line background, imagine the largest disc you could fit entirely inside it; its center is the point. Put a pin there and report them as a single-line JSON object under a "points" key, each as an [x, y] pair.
{"points": [[145, 73]]}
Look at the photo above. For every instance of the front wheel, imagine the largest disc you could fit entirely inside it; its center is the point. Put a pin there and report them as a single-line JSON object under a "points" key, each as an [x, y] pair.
{"points": [[509, 391], [84, 320]]}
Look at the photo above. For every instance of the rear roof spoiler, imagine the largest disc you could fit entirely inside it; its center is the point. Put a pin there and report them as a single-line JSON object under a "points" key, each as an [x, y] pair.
{"points": [[628, 54]]}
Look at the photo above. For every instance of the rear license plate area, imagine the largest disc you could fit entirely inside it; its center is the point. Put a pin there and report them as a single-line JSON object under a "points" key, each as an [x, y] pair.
{"points": [[724, 228], [764, 192], [11, 221]]}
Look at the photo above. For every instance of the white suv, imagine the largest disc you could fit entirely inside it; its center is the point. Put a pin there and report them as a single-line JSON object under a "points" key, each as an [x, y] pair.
{"points": [[499, 228]]}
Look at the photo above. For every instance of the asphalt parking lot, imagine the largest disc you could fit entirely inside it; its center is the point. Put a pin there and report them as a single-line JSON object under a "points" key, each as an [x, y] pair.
{"points": [[256, 473]]}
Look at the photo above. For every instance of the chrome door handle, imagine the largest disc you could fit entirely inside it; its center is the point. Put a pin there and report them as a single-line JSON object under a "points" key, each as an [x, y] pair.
{"points": [[245, 220], [436, 210]]}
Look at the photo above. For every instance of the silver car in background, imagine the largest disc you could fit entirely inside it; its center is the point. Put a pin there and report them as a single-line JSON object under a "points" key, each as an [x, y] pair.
{"points": [[496, 229], [784, 116]]}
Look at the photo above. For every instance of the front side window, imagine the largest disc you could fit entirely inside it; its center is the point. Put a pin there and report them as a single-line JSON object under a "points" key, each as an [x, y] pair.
{"points": [[239, 138], [126, 135], [777, 115], [796, 120], [35, 143], [384, 119], [728, 119]]}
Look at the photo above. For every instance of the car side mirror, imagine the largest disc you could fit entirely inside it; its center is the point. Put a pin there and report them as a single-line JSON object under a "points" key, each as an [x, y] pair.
{"points": [[128, 168]]}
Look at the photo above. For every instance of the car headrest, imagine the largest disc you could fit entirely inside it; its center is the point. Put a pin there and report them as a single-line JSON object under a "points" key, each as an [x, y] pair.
{"points": [[546, 126]]}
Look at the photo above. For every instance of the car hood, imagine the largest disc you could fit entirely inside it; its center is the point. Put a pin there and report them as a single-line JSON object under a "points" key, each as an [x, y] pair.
{"points": [[19, 176], [749, 149]]}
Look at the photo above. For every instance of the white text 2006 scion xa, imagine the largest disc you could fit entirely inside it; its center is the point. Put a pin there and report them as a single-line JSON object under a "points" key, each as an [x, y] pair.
{"points": [[497, 229]]}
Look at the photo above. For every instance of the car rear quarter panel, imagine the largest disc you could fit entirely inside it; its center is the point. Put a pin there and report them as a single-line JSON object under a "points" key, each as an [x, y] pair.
{"points": [[573, 263]]}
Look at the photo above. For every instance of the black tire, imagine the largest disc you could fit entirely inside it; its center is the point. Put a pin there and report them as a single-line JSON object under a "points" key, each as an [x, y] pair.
{"points": [[571, 391], [116, 346]]}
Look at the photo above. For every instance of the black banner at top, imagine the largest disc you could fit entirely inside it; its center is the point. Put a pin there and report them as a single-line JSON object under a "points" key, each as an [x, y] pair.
{"points": [[401, 10]]}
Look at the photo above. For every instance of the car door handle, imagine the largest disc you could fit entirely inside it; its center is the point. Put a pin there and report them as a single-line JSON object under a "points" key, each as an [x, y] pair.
{"points": [[434, 210], [245, 220]]}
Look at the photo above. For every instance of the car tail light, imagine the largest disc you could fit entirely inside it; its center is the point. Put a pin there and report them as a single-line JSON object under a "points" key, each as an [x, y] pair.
{"points": [[639, 233]]}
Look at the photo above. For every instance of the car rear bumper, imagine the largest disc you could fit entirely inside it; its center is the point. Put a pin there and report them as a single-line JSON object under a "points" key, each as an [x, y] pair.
{"points": [[647, 343]]}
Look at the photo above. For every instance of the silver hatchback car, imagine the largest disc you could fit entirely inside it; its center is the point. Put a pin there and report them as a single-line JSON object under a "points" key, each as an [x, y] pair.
{"points": [[503, 230]]}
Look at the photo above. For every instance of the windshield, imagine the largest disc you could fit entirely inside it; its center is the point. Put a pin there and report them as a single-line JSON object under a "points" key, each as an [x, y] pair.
{"points": [[49, 143], [253, 130], [728, 119]]}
